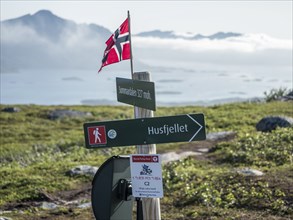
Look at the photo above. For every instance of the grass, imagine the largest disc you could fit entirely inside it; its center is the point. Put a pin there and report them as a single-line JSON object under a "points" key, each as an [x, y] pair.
{"points": [[36, 152]]}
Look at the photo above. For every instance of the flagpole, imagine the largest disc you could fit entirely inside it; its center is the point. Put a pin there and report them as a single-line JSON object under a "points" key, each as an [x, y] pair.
{"points": [[131, 63]]}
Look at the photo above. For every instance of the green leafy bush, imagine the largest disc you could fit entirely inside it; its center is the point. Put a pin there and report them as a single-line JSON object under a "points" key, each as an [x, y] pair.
{"points": [[275, 94], [259, 149], [222, 189]]}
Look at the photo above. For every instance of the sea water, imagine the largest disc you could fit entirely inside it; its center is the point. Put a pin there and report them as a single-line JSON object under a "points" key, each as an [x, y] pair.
{"points": [[172, 86]]}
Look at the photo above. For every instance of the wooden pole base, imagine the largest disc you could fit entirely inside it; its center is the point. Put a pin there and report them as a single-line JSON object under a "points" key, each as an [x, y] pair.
{"points": [[150, 206]]}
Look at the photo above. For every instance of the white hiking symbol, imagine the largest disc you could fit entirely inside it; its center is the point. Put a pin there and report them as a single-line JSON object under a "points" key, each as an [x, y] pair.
{"points": [[97, 135]]}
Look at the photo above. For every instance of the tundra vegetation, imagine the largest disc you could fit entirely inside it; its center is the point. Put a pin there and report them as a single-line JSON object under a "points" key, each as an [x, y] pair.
{"points": [[36, 152]]}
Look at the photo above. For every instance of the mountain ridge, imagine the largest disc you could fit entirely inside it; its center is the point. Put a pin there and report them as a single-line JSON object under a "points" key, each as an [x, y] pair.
{"points": [[44, 40], [47, 24], [173, 35]]}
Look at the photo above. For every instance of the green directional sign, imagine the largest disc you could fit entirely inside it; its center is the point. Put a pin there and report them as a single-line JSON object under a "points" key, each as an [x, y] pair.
{"points": [[136, 92], [181, 128]]}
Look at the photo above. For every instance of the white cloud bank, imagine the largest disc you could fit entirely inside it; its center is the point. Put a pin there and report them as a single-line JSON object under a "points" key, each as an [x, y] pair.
{"points": [[22, 47], [82, 48], [247, 43], [248, 49]]}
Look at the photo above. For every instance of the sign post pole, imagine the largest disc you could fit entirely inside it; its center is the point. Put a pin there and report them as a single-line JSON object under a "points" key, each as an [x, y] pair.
{"points": [[150, 206]]}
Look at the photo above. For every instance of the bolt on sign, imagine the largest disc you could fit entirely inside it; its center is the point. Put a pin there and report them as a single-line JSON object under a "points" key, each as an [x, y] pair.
{"points": [[180, 128], [146, 175]]}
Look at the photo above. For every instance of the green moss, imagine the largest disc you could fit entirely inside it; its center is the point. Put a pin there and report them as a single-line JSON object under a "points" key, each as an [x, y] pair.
{"points": [[259, 149], [190, 182]]}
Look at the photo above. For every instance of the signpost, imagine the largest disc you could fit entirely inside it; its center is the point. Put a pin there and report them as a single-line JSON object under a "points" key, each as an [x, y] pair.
{"points": [[181, 128], [144, 131], [137, 93], [146, 175], [147, 208]]}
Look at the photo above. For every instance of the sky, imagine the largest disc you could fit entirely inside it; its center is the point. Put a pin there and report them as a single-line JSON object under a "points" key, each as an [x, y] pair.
{"points": [[273, 18]]}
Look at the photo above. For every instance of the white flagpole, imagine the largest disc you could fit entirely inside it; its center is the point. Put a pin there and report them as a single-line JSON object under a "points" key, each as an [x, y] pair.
{"points": [[131, 63]]}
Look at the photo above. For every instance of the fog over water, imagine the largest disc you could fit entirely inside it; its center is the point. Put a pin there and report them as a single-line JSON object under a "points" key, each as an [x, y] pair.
{"points": [[42, 63], [172, 86]]}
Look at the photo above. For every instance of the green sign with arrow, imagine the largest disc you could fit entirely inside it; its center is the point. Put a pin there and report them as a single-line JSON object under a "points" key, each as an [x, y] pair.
{"points": [[181, 128]]}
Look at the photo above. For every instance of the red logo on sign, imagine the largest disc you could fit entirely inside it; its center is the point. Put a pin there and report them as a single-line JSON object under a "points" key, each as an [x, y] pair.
{"points": [[97, 135], [145, 159]]}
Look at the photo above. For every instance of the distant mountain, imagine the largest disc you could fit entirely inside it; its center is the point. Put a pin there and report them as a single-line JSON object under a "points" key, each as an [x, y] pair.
{"points": [[50, 26], [173, 35], [43, 22], [158, 33], [222, 35]]}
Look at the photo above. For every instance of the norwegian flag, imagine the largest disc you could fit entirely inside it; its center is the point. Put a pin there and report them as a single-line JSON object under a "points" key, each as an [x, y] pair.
{"points": [[118, 46]]}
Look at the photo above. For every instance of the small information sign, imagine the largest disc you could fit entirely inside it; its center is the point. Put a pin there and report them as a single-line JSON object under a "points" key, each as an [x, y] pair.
{"points": [[146, 175]]}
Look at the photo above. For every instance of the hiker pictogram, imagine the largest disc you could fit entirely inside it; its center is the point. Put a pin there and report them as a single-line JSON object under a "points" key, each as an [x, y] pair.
{"points": [[97, 135]]}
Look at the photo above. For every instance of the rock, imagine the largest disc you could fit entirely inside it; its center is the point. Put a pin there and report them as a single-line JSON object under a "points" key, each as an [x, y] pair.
{"points": [[48, 205], [61, 113], [170, 156], [250, 172], [222, 135], [4, 218], [203, 150], [85, 205], [173, 156], [272, 122], [11, 109], [82, 170], [188, 153], [288, 97]]}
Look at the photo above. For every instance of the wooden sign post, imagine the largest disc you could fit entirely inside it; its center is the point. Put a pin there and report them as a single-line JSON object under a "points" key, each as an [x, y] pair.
{"points": [[150, 206], [140, 92]]}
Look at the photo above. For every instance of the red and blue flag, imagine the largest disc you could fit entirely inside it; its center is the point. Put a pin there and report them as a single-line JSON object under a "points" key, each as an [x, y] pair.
{"points": [[118, 46]]}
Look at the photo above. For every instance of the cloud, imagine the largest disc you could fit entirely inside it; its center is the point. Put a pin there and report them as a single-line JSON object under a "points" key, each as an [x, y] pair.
{"points": [[24, 47], [249, 43], [82, 47], [248, 49], [18, 34]]}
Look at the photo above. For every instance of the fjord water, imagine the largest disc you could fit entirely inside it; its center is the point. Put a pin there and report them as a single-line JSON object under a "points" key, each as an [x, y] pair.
{"points": [[173, 86]]}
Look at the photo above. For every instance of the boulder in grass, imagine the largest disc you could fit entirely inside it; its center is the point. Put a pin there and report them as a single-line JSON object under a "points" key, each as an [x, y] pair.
{"points": [[85, 205], [82, 170], [61, 113], [270, 123], [4, 218], [48, 205], [173, 156], [288, 97], [221, 136], [250, 172], [11, 109]]}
